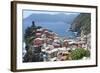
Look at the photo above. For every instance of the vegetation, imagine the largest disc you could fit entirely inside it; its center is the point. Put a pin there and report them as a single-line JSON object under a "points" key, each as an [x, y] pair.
{"points": [[79, 53], [82, 23], [87, 53], [30, 33]]}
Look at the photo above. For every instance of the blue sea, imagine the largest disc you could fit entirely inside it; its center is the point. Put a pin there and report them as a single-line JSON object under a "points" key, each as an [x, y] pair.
{"points": [[61, 28]]}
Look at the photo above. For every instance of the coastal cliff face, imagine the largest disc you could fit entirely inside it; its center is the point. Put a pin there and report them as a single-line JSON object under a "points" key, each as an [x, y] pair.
{"points": [[82, 24]]}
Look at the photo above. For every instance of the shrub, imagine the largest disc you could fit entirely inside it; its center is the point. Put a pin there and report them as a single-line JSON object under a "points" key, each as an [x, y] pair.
{"points": [[78, 54], [87, 53]]}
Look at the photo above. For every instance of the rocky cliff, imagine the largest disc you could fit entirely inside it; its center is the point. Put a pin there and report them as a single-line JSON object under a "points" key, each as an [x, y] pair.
{"points": [[82, 24]]}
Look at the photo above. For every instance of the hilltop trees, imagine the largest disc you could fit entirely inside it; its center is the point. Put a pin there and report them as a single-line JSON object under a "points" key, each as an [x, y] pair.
{"points": [[30, 33]]}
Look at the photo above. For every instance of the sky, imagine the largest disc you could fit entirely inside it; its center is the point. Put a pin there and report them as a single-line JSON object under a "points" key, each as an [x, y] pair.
{"points": [[27, 13]]}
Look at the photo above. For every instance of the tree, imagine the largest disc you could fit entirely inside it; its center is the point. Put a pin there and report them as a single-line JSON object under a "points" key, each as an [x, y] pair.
{"points": [[30, 33]]}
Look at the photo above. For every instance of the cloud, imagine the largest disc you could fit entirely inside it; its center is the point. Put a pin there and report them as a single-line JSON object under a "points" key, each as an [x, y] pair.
{"points": [[69, 13]]}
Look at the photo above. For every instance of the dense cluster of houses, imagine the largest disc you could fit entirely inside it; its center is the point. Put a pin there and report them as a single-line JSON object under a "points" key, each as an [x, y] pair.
{"points": [[48, 46]]}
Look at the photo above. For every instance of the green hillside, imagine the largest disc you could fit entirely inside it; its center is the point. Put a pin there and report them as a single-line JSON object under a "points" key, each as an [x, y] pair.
{"points": [[82, 24]]}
